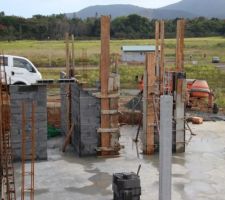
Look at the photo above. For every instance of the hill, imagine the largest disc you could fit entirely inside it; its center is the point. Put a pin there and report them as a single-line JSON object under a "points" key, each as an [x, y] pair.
{"points": [[206, 8], [115, 10], [119, 10], [184, 8]]}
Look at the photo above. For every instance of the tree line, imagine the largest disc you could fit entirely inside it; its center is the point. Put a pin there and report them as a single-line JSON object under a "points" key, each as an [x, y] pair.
{"points": [[53, 27]]}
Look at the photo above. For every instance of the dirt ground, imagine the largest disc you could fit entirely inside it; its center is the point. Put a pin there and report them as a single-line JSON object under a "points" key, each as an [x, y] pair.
{"points": [[197, 174]]}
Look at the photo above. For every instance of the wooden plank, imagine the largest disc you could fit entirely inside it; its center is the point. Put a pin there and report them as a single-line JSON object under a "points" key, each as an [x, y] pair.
{"points": [[1, 130], [182, 27], [106, 130], [105, 54], [67, 54], [104, 77], [68, 107], [162, 59], [157, 31], [178, 47], [180, 110], [114, 119], [110, 112], [150, 118], [68, 138], [157, 38], [73, 55], [68, 87]]}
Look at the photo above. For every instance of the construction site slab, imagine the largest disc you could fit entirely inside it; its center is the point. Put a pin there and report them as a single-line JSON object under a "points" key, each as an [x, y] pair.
{"points": [[197, 174]]}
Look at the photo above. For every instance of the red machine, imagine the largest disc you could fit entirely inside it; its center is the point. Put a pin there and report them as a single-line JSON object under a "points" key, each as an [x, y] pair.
{"points": [[199, 96]]}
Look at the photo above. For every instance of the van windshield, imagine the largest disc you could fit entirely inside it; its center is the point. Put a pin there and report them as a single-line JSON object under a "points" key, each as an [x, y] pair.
{"points": [[3, 61], [21, 63]]}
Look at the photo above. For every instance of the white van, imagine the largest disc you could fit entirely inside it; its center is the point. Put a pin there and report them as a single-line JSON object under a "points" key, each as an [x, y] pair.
{"points": [[19, 70]]}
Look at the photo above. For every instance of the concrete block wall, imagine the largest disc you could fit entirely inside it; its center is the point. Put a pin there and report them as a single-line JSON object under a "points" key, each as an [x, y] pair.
{"points": [[64, 107], [29, 94], [86, 119], [89, 122]]}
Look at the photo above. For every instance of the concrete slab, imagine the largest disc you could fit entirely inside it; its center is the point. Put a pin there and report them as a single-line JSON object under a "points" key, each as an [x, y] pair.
{"points": [[197, 174]]}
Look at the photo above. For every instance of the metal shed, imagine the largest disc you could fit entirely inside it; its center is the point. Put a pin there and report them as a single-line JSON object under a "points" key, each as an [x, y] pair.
{"points": [[136, 53]]}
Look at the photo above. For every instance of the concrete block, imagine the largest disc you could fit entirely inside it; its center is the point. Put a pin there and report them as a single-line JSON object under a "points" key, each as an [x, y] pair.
{"points": [[28, 94]]}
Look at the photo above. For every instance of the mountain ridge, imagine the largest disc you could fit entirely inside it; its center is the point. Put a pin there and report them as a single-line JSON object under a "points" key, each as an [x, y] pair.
{"points": [[205, 8], [184, 9]]}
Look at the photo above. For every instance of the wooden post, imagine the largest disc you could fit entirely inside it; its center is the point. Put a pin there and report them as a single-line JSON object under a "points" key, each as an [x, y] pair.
{"points": [[182, 27], [1, 131], [180, 45], [68, 87], [73, 54], [104, 77], [149, 114], [180, 105], [67, 55], [162, 61], [157, 31]]}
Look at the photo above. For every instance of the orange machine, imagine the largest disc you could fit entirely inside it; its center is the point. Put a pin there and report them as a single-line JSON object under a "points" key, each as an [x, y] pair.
{"points": [[200, 96], [199, 89]]}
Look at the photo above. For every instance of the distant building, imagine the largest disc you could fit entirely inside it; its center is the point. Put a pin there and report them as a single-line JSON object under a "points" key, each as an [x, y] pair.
{"points": [[136, 53]]}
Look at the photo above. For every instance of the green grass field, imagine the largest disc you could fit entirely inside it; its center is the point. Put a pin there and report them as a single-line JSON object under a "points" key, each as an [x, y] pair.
{"points": [[44, 53], [49, 56]]}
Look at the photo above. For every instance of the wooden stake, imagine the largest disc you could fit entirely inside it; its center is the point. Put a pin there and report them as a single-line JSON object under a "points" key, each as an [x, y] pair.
{"points": [[67, 55], [73, 57], [150, 115], [162, 60], [182, 26], [157, 31], [179, 111], [68, 87], [68, 138], [104, 77], [1, 129], [179, 46]]}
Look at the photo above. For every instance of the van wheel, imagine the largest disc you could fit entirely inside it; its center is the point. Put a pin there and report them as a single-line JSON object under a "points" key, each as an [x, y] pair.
{"points": [[19, 83]]}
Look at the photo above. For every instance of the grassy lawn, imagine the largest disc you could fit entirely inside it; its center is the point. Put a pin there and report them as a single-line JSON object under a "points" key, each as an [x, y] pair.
{"points": [[49, 56]]}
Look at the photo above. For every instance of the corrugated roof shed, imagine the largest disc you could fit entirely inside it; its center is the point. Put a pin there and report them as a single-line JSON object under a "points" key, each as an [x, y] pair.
{"points": [[138, 48]]}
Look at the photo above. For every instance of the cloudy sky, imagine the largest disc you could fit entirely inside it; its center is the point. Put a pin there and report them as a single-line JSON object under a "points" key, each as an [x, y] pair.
{"points": [[27, 8]]}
